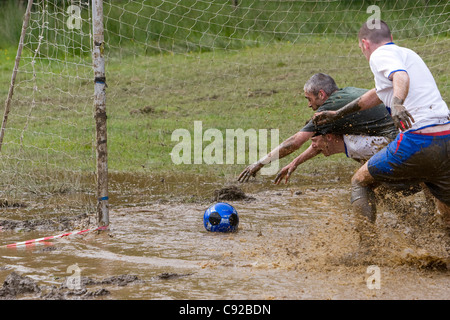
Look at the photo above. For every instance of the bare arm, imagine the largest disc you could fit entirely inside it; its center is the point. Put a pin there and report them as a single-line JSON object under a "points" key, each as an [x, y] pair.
{"points": [[290, 168], [366, 101], [285, 148], [402, 118]]}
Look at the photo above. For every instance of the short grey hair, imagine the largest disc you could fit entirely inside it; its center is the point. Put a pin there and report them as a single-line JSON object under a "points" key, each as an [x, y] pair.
{"points": [[320, 81], [375, 35]]}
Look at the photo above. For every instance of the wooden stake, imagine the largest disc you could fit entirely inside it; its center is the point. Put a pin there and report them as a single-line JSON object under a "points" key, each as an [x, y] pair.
{"points": [[100, 113], [26, 21]]}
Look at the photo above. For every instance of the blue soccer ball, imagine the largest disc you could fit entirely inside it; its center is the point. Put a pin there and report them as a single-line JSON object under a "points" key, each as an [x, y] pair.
{"points": [[221, 217]]}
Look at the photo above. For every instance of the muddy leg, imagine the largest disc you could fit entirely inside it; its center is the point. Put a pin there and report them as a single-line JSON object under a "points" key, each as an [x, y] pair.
{"points": [[364, 207], [364, 202]]}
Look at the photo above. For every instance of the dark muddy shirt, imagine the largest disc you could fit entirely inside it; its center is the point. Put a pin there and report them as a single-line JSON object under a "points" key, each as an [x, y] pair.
{"points": [[375, 121]]}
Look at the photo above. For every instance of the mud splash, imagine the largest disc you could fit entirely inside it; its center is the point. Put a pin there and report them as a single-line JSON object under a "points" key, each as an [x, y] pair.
{"points": [[295, 242]]}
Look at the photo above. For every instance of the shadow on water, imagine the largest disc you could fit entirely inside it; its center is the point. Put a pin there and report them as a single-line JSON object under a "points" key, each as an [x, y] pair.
{"points": [[295, 241]]}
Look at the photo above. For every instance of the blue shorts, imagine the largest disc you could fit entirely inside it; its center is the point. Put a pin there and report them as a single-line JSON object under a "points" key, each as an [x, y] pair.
{"points": [[414, 158]]}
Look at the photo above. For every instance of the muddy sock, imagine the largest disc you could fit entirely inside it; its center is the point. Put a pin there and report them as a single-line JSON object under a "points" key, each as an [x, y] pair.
{"points": [[364, 202], [364, 209]]}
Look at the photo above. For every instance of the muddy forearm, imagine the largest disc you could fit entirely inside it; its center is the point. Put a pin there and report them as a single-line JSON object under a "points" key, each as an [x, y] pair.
{"points": [[366, 101], [400, 83], [285, 148], [305, 156], [349, 108]]}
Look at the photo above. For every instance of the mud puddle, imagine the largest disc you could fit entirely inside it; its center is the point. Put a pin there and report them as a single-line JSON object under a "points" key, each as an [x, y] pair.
{"points": [[295, 242]]}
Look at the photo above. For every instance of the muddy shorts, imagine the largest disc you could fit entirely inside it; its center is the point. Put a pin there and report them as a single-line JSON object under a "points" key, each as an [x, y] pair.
{"points": [[415, 158]]}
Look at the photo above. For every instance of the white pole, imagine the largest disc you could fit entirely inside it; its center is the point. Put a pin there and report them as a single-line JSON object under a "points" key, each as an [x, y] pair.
{"points": [[26, 20], [100, 113]]}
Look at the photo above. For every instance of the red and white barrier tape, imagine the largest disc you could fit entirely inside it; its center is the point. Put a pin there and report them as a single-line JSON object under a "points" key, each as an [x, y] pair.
{"points": [[34, 241]]}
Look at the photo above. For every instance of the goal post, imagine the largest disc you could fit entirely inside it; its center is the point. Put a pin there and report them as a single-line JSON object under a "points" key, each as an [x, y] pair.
{"points": [[51, 22], [100, 112]]}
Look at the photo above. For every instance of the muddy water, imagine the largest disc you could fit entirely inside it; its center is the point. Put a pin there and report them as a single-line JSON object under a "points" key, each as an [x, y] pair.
{"points": [[295, 242]]}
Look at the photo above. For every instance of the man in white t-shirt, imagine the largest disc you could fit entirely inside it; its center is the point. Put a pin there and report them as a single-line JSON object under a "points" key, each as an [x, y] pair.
{"points": [[421, 151]]}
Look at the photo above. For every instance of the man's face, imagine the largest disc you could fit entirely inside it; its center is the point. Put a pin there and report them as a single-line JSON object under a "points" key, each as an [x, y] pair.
{"points": [[321, 143], [314, 102]]}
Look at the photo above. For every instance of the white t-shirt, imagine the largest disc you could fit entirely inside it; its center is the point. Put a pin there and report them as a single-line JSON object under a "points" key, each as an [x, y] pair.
{"points": [[424, 100], [360, 147]]}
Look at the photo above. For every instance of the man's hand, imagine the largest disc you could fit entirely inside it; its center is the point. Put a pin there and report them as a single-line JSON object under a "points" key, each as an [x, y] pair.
{"points": [[250, 171], [324, 117], [402, 118], [285, 173]]}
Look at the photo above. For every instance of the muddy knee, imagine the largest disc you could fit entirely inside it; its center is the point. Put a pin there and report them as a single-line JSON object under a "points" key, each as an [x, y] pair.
{"points": [[363, 201]]}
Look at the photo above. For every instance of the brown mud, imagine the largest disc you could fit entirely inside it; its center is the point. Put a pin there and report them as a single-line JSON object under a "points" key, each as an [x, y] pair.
{"points": [[294, 242]]}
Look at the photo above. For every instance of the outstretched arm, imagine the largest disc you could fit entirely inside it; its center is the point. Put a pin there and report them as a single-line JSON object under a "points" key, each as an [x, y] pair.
{"points": [[366, 101], [285, 148], [290, 168]]}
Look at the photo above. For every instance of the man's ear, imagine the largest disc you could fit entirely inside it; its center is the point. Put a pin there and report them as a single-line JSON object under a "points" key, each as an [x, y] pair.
{"points": [[366, 44], [321, 94]]}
